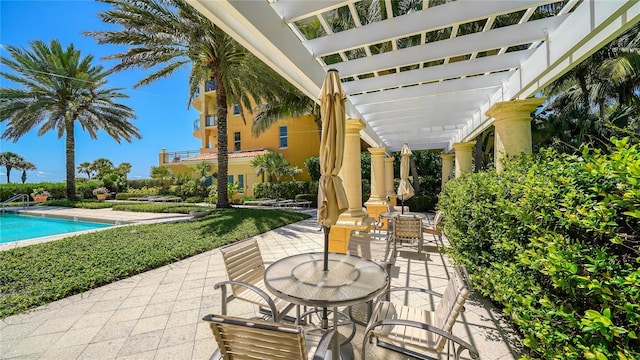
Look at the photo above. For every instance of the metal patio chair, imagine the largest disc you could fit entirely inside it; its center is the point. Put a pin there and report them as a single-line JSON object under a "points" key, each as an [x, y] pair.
{"points": [[245, 270], [240, 338], [407, 229], [413, 331]]}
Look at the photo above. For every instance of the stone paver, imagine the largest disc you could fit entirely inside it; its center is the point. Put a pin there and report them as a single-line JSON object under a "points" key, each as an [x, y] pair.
{"points": [[157, 314]]}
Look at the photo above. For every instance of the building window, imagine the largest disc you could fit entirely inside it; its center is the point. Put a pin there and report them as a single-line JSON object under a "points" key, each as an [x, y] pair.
{"points": [[210, 120], [284, 139], [241, 184], [229, 179], [236, 109], [236, 141]]}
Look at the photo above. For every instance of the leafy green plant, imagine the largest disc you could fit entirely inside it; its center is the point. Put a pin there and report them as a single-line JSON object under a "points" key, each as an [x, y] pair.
{"points": [[554, 239]]}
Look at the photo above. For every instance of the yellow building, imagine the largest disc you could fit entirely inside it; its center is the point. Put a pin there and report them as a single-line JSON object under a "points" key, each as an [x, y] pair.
{"points": [[295, 138]]}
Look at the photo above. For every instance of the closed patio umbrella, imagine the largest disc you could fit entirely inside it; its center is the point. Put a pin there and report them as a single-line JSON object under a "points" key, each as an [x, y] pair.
{"points": [[332, 199], [405, 190]]}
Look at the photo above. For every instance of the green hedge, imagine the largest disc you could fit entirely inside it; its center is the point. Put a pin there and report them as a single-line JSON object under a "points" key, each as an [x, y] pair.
{"points": [[284, 190], [554, 239], [58, 190]]}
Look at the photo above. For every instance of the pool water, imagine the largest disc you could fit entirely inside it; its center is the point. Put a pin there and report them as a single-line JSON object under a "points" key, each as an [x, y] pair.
{"points": [[15, 227]]}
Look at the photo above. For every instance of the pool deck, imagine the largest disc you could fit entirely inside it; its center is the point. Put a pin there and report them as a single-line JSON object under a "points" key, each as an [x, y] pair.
{"points": [[158, 314], [120, 218]]}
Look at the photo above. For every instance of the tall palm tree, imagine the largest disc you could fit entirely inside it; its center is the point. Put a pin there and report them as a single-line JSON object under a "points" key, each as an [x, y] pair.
{"points": [[10, 160], [60, 88], [168, 34]]}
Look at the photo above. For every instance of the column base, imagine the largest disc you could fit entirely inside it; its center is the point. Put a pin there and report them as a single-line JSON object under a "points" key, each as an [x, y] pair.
{"points": [[339, 234], [374, 210]]}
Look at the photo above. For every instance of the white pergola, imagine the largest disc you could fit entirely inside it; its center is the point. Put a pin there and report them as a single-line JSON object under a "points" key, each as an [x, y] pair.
{"points": [[423, 77]]}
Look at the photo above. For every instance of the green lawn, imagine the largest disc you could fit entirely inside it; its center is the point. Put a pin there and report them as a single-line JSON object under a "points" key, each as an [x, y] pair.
{"points": [[39, 274]]}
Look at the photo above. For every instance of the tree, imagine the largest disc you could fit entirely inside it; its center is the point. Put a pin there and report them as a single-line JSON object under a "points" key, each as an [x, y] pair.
{"points": [[59, 89], [161, 173], [85, 168], [10, 160], [293, 104], [25, 166], [168, 34], [201, 174], [274, 165]]}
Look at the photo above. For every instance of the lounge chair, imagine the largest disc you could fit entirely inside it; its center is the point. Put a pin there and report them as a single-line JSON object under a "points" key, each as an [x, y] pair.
{"points": [[245, 270], [239, 338], [412, 331]]}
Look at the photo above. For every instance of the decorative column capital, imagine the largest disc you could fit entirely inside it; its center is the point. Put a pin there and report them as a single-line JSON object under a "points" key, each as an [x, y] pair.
{"points": [[447, 156], [388, 160], [464, 145], [377, 151], [354, 126], [514, 109]]}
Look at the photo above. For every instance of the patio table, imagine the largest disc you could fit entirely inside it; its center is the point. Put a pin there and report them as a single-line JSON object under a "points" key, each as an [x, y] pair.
{"points": [[350, 280]]}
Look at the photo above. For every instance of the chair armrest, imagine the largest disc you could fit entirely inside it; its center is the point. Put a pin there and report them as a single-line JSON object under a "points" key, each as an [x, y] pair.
{"points": [[462, 345], [328, 339], [222, 285], [389, 291]]}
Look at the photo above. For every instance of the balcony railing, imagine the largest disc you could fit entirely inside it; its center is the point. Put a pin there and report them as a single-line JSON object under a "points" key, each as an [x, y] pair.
{"points": [[178, 156]]}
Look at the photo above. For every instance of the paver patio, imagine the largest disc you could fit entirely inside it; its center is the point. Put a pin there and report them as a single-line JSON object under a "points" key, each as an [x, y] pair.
{"points": [[157, 314]]}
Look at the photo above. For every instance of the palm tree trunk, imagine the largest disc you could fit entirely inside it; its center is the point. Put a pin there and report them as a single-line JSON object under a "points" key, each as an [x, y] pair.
{"points": [[70, 145], [9, 173], [223, 160]]}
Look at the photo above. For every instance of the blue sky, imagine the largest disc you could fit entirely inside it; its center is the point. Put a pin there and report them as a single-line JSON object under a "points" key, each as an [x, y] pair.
{"points": [[161, 108]]}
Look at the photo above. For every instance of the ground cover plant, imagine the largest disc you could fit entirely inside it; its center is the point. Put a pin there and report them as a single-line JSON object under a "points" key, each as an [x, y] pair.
{"points": [[554, 239], [39, 274]]}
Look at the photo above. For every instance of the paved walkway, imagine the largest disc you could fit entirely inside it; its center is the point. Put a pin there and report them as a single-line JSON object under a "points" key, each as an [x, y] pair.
{"points": [[157, 314]]}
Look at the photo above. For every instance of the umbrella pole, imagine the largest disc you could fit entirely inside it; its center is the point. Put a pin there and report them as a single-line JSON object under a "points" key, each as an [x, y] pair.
{"points": [[325, 267], [402, 205], [325, 264]]}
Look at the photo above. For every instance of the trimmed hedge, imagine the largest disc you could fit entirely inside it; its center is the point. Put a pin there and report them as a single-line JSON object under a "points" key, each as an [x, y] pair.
{"points": [[58, 190], [284, 190], [554, 239]]}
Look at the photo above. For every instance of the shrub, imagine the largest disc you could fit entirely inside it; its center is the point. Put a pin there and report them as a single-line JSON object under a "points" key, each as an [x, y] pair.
{"points": [[193, 199], [285, 190], [554, 239]]}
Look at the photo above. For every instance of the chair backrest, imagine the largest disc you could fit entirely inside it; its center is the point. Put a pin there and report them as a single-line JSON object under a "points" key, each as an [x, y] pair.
{"points": [[370, 246], [407, 227], [452, 302], [239, 338], [437, 221], [244, 263]]}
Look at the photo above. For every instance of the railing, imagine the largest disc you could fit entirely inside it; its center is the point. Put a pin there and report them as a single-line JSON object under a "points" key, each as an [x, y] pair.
{"points": [[178, 156], [24, 199], [196, 124]]}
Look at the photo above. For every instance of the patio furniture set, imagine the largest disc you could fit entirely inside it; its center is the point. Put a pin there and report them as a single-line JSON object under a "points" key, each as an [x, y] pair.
{"points": [[324, 323]]}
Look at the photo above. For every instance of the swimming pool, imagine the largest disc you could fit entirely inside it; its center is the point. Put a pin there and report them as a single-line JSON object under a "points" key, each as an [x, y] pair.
{"points": [[14, 227]]}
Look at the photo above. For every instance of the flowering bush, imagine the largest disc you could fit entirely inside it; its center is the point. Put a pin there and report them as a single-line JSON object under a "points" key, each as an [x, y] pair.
{"points": [[100, 190], [40, 192]]}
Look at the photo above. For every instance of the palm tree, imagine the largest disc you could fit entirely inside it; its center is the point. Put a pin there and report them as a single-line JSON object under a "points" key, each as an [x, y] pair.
{"points": [[274, 165], [168, 34], [161, 173], [293, 104], [25, 166], [10, 160], [85, 168], [60, 88]]}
